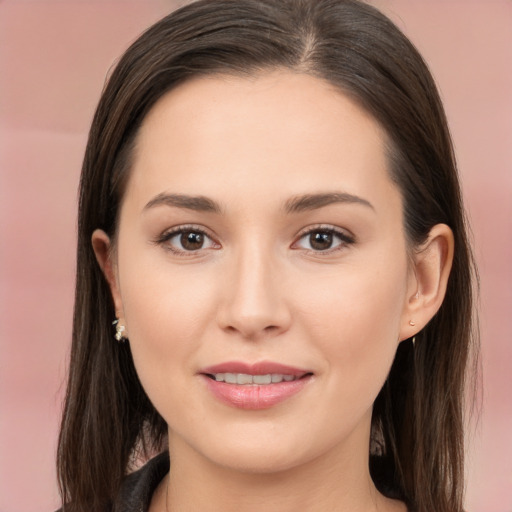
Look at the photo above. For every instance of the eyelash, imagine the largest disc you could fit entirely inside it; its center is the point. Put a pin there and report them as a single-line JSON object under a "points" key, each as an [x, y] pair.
{"points": [[165, 237], [345, 239]]}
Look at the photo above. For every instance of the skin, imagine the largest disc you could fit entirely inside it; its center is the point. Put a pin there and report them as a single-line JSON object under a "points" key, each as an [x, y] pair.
{"points": [[259, 290]]}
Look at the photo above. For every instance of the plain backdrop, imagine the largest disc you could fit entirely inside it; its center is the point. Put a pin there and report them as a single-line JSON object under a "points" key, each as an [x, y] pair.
{"points": [[54, 56]]}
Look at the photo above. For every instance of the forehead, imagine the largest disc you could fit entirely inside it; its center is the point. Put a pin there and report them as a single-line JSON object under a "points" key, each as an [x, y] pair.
{"points": [[290, 131]]}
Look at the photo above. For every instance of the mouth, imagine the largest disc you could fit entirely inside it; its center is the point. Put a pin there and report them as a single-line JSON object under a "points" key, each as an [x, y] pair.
{"points": [[244, 379], [254, 386]]}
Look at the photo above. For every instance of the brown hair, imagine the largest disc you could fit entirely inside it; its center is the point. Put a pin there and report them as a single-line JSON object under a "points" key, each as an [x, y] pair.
{"points": [[417, 425]]}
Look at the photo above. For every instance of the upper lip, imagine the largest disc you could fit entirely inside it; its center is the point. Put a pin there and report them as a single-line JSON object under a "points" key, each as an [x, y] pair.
{"points": [[260, 368]]}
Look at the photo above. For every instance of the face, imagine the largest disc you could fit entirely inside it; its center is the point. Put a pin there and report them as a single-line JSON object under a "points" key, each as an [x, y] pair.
{"points": [[261, 239]]}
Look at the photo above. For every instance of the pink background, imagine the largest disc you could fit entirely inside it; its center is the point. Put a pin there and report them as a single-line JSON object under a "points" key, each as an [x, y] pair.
{"points": [[54, 56]]}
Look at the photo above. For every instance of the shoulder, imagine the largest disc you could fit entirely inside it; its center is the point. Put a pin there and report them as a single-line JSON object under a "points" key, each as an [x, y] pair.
{"points": [[138, 487]]}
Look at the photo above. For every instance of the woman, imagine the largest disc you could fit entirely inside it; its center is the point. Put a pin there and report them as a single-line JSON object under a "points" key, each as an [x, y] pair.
{"points": [[270, 216]]}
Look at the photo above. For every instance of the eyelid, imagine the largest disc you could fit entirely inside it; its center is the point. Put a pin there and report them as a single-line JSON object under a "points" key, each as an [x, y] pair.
{"points": [[346, 237], [169, 233]]}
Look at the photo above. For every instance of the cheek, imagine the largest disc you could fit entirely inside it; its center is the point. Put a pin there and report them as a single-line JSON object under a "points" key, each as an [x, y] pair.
{"points": [[358, 304], [354, 318], [166, 313]]}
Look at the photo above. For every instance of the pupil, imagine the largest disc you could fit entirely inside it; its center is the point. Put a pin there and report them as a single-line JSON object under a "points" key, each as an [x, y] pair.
{"points": [[321, 240], [191, 240]]}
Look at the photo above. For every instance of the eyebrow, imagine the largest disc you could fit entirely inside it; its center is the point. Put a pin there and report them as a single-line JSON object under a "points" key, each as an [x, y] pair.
{"points": [[308, 202], [297, 204], [196, 203]]}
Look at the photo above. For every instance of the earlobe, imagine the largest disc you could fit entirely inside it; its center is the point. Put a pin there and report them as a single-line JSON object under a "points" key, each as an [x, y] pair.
{"points": [[102, 247], [432, 264]]}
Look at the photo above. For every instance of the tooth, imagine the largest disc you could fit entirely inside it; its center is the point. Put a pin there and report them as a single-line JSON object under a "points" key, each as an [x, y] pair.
{"points": [[243, 378], [262, 379], [230, 378]]}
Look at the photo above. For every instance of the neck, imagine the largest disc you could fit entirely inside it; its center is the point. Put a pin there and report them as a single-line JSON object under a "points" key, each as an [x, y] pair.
{"points": [[337, 481]]}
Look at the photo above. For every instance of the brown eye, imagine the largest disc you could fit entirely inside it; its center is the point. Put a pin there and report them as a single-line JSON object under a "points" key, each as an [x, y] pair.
{"points": [[324, 240], [320, 240], [192, 240], [186, 240]]}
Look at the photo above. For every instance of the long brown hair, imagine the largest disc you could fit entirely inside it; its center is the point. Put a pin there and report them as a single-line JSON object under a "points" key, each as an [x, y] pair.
{"points": [[417, 427]]}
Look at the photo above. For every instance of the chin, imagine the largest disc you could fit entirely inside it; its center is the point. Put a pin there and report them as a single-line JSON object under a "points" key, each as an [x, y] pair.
{"points": [[260, 462], [256, 454]]}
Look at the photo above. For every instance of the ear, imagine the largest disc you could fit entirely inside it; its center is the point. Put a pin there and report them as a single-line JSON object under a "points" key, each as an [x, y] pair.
{"points": [[431, 264], [102, 247]]}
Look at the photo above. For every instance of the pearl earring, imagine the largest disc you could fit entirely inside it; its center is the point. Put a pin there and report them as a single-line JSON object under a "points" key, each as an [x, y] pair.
{"points": [[119, 336]]}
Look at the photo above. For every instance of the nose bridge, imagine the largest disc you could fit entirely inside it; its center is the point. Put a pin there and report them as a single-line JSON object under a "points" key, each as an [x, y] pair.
{"points": [[254, 304]]}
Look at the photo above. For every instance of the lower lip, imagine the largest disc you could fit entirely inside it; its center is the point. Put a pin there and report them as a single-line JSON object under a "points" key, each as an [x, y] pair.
{"points": [[255, 396]]}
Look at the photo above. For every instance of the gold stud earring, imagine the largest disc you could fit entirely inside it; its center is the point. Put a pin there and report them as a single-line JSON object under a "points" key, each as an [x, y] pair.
{"points": [[411, 323]]}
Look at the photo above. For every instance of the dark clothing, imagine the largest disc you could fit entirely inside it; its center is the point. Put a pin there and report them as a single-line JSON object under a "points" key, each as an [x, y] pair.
{"points": [[138, 487]]}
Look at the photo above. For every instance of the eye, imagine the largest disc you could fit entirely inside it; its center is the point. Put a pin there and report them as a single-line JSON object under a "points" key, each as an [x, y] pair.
{"points": [[186, 240], [324, 239]]}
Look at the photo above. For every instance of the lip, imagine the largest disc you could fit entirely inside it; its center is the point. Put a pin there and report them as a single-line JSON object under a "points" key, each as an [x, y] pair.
{"points": [[255, 396], [260, 368]]}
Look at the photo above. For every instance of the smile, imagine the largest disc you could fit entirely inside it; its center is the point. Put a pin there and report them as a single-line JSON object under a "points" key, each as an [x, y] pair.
{"points": [[245, 379], [254, 386]]}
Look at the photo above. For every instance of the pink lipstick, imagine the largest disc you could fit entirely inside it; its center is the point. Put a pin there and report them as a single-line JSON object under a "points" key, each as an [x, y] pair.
{"points": [[254, 386]]}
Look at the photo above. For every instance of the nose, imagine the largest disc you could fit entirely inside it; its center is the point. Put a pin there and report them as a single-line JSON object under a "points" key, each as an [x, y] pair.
{"points": [[254, 304]]}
